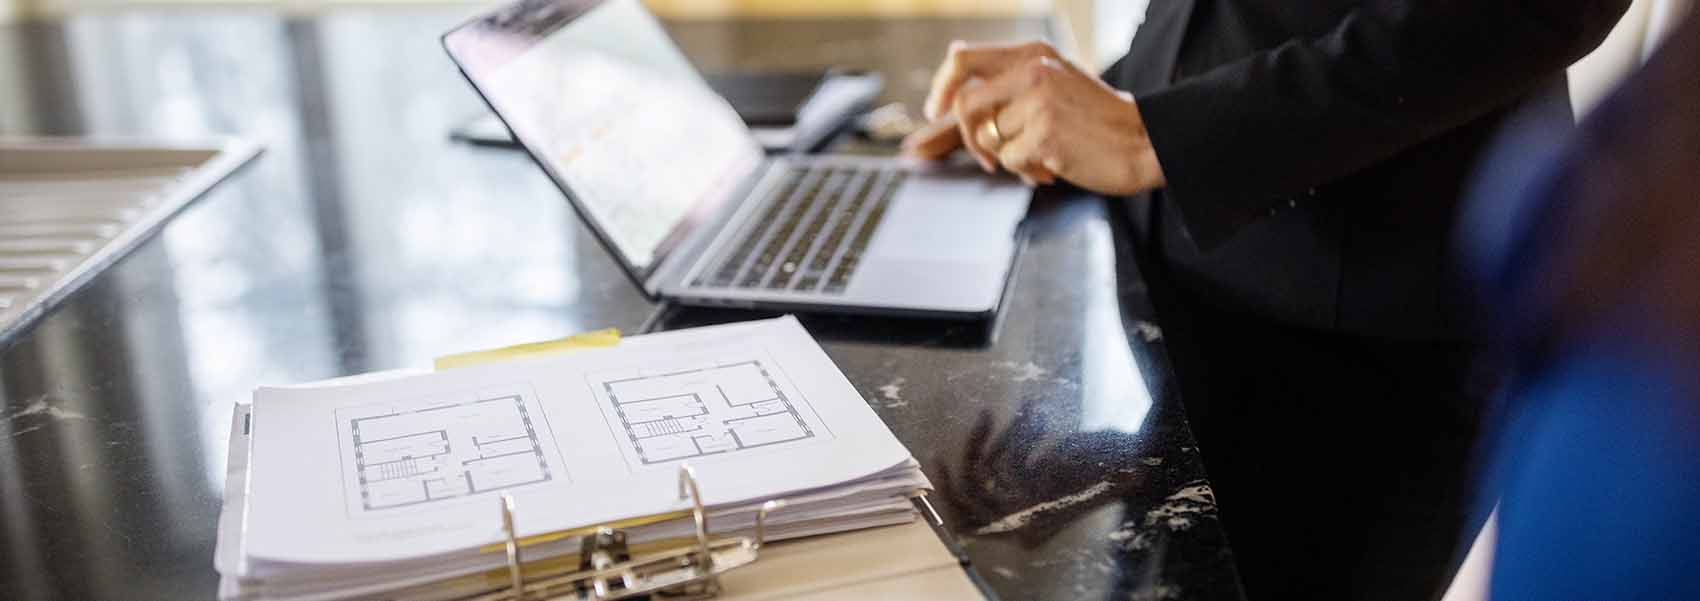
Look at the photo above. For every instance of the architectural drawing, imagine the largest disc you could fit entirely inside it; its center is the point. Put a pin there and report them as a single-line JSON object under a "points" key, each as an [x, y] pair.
{"points": [[711, 409], [403, 457]]}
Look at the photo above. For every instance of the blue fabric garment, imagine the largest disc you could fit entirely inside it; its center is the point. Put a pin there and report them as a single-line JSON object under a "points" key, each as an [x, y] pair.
{"points": [[1601, 476]]}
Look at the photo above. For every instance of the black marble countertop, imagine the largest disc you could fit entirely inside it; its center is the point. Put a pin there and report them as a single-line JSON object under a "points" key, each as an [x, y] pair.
{"points": [[364, 240]]}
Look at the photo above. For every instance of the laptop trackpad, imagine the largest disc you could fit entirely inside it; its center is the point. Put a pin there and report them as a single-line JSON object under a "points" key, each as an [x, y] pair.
{"points": [[945, 244], [968, 219]]}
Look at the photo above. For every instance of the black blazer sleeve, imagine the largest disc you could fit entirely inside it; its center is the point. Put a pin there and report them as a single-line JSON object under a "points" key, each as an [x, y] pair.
{"points": [[1389, 75]]}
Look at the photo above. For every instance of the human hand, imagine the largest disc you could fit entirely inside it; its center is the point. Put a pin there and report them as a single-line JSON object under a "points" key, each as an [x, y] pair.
{"points": [[1026, 108]]}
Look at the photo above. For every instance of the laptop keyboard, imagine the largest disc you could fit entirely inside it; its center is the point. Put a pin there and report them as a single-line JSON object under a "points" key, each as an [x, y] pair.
{"points": [[812, 235]]}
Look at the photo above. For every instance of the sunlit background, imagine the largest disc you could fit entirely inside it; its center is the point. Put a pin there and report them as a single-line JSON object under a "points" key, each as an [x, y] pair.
{"points": [[1097, 31], [332, 179], [1101, 28]]}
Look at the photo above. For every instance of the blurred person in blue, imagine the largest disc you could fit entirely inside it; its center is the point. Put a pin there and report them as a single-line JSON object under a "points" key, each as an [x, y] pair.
{"points": [[1592, 275]]}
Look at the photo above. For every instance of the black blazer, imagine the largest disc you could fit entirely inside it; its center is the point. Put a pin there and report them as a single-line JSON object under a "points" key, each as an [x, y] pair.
{"points": [[1316, 151]]}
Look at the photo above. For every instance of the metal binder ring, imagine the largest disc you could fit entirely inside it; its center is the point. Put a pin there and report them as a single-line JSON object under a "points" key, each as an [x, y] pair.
{"points": [[516, 579], [761, 522], [688, 486]]}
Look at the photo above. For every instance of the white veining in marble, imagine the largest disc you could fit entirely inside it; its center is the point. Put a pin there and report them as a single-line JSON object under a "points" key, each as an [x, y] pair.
{"points": [[1017, 520], [1197, 493], [24, 431], [1023, 372], [1130, 537], [1148, 331], [1159, 592], [42, 406], [1180, 509], [892, 392]]}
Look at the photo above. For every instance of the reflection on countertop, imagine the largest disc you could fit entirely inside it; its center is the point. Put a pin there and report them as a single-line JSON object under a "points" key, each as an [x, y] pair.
{"points": [[1064, 466], [365, 240]]}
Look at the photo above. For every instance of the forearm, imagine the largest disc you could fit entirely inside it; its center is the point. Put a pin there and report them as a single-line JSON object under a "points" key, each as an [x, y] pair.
{"points": [[1386, 78]]}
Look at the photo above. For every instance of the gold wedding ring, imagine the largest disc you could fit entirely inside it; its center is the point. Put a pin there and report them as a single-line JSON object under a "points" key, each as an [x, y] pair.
{"points": [[991, 128]]}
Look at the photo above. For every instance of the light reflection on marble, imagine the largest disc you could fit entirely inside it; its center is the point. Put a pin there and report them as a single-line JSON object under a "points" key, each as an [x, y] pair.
{"points": [[1048, 434], [1114, 394], [363, 240]]}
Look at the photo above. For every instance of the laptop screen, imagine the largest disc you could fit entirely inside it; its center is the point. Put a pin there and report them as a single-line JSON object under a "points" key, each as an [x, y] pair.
{"points": [[611, 108]]}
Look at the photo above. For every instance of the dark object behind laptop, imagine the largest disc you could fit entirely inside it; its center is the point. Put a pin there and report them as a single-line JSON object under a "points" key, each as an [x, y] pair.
{"points": [[767, 99]]}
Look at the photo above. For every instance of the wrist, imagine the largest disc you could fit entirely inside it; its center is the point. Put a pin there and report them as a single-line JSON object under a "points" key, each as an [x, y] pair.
{"points": [[1147, 170], [1144, 171]]}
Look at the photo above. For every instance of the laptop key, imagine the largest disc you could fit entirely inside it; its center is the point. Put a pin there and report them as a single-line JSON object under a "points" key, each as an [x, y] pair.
{"points": [[727, 270], [824, 206], [766, 259], [785, 248], [853, 255], [849, 210]]}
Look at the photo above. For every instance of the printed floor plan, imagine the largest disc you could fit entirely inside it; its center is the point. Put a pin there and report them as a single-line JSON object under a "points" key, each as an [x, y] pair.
{"points": [[707, 410], [409, 457]]}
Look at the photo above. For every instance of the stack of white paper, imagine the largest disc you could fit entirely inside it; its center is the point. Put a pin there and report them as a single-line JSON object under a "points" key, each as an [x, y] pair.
{"points": [[390, 488]]}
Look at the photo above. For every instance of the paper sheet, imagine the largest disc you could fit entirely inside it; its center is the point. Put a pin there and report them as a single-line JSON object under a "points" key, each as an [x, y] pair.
{"points": [[412, 467]]}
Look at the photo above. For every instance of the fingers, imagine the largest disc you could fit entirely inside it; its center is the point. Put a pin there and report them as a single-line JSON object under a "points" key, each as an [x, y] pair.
{"points": [[982, 139], [1024, 157], [979, 102], [1031, 84], [1034, 77], [1030, 152], [995, 94], [934, 140], [964, 62], [987, 139], [937, 139]]}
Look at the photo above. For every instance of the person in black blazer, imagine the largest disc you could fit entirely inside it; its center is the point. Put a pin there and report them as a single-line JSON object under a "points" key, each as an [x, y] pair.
{"points": [[1294, 170]]}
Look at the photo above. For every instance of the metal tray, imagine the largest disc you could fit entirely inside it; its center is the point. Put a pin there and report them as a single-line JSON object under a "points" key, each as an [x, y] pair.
{"points": [[70, 207]]}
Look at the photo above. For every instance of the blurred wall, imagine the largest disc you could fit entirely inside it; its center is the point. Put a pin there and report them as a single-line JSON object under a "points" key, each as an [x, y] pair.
{"points": [[781, 8], [1635, 38], [1113, 23], [15, 104]]}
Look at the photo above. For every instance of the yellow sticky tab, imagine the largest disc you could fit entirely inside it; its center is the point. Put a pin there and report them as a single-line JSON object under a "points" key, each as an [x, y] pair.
{"points": [[588, 340]]}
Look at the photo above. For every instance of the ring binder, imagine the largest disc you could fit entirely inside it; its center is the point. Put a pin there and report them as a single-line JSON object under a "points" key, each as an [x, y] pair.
{"points": [[608, 572]]}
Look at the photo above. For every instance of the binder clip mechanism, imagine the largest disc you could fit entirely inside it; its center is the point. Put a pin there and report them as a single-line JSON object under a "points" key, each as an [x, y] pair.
{"points": [[607, 570]]}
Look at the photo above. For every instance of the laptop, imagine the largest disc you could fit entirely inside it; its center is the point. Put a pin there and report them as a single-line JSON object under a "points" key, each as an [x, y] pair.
{"points": [[676, 188]]}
